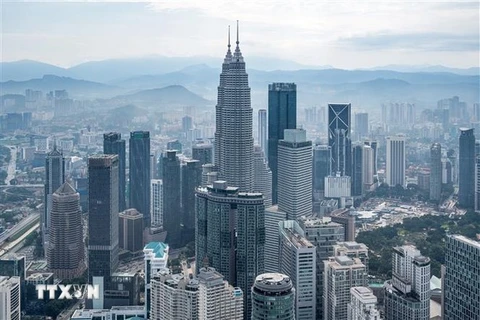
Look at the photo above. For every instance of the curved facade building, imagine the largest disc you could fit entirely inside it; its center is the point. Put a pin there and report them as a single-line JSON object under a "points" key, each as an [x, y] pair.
{"points": [[273, 297]]}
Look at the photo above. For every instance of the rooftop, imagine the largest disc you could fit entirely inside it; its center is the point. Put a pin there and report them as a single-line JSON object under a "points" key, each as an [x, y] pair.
{"points": [[158, 248], [466, 240]]}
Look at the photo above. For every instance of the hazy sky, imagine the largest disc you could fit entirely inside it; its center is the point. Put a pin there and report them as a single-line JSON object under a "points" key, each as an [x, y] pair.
{"points": [[345, 34]]}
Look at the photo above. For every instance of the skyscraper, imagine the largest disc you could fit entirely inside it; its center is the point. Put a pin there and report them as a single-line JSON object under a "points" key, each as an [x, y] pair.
{"points": [[407, 295], [361, 125], [139, 173], [54, 178], [263, 130], [362, 305], [272, 238], [263, 176], [172, 217], [10, 298], [273, 297], [131, 228], [203, 152], [368, 167], [297, 257], [374, 146], [352, 250], [295, 186], [156, 207], [13, 265], [66, 247], [156, 259], [435, 171], [395, 170], [233, 134], [461, 281], [282, 114], [339, 127], [191, 179], [357, 171], [230, 233], [102, 216], [466, 176], [322, 157], [114, 144]]}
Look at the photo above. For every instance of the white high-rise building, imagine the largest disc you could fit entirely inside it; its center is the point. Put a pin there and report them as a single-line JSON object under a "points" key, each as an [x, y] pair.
{"points": [[363, 305], [272, 217], [156, 203], [352, 249], [341, 274], [233, 134], [10, 298], [338, 186], [407, 295], [368, 167], [396, 161], [217, 300], [297, 258], [263, 130], [263, 176], [295, 174], [156, 259]]}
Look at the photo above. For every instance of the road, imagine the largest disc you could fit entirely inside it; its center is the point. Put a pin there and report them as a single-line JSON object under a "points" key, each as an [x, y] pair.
{"points": [[12, 165], [24, 222], [11, 247], [26, 186]]}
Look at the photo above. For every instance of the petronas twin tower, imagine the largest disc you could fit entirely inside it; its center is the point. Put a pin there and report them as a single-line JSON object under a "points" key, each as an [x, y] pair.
{"points": [[233, 135]]}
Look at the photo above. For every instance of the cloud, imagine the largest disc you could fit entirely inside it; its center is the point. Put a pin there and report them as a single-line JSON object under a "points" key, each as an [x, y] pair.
{"points": [[425, 41]]}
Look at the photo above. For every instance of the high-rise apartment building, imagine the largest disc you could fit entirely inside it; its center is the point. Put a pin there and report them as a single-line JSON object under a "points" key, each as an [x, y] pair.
{"points": [[323, 234], [322, 157], [172, 217], [139, 173], [361, 125], [102, 216], [263, 130], [114, 144], [203, 152], [352, 250], [230, 233], [130, 235], [54, 178], [263, 176], [10, 293], [233, 133], [341, 274], [435, 171], [156, 203], [339, 127], [297, 257], [357, 170], [272, 237], [362, 305], [396, 161], [368, 170], [407, 295], [273, 297], [466, 175], [191, 179], [156, 259], [461, 280], [374, 146], [282, 114], [295, 186], [65, 252]]}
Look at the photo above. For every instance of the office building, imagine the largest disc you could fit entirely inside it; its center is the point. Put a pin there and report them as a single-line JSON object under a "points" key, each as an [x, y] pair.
{"points": [[191, 179], [339, 127], [102, 216], [368, 167], [130, 230], [395, 170], [263, 130], [341, 274], [156, 203], [346, 218], [272, 237], [187, 123], [230, 233], [435, 171], [361, 125], [65, 250], [173, 296], [461, 280], [12, 265], [139, 173], [10, 294], [175, 145], [172, 217], [113, 313], [297, 258], [374, 146], [338, 186], [217, 299], [322, 157], [233, 132], [156, 259], [294, 186], [323, 234], [114, 144], [263, 176], [352, 249], [54, 178], [357, 171], [282, 114], [273, 297], [407, 295], [362, 305], [477, 184], [466, 175], [203, 152]]}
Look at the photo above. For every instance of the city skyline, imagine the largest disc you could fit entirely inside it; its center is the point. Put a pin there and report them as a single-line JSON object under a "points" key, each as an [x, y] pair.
{"points": [[308, 33]]}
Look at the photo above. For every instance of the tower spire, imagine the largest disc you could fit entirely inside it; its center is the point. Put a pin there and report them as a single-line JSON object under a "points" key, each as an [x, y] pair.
{"points": [[229, 38], [237, 35]]}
